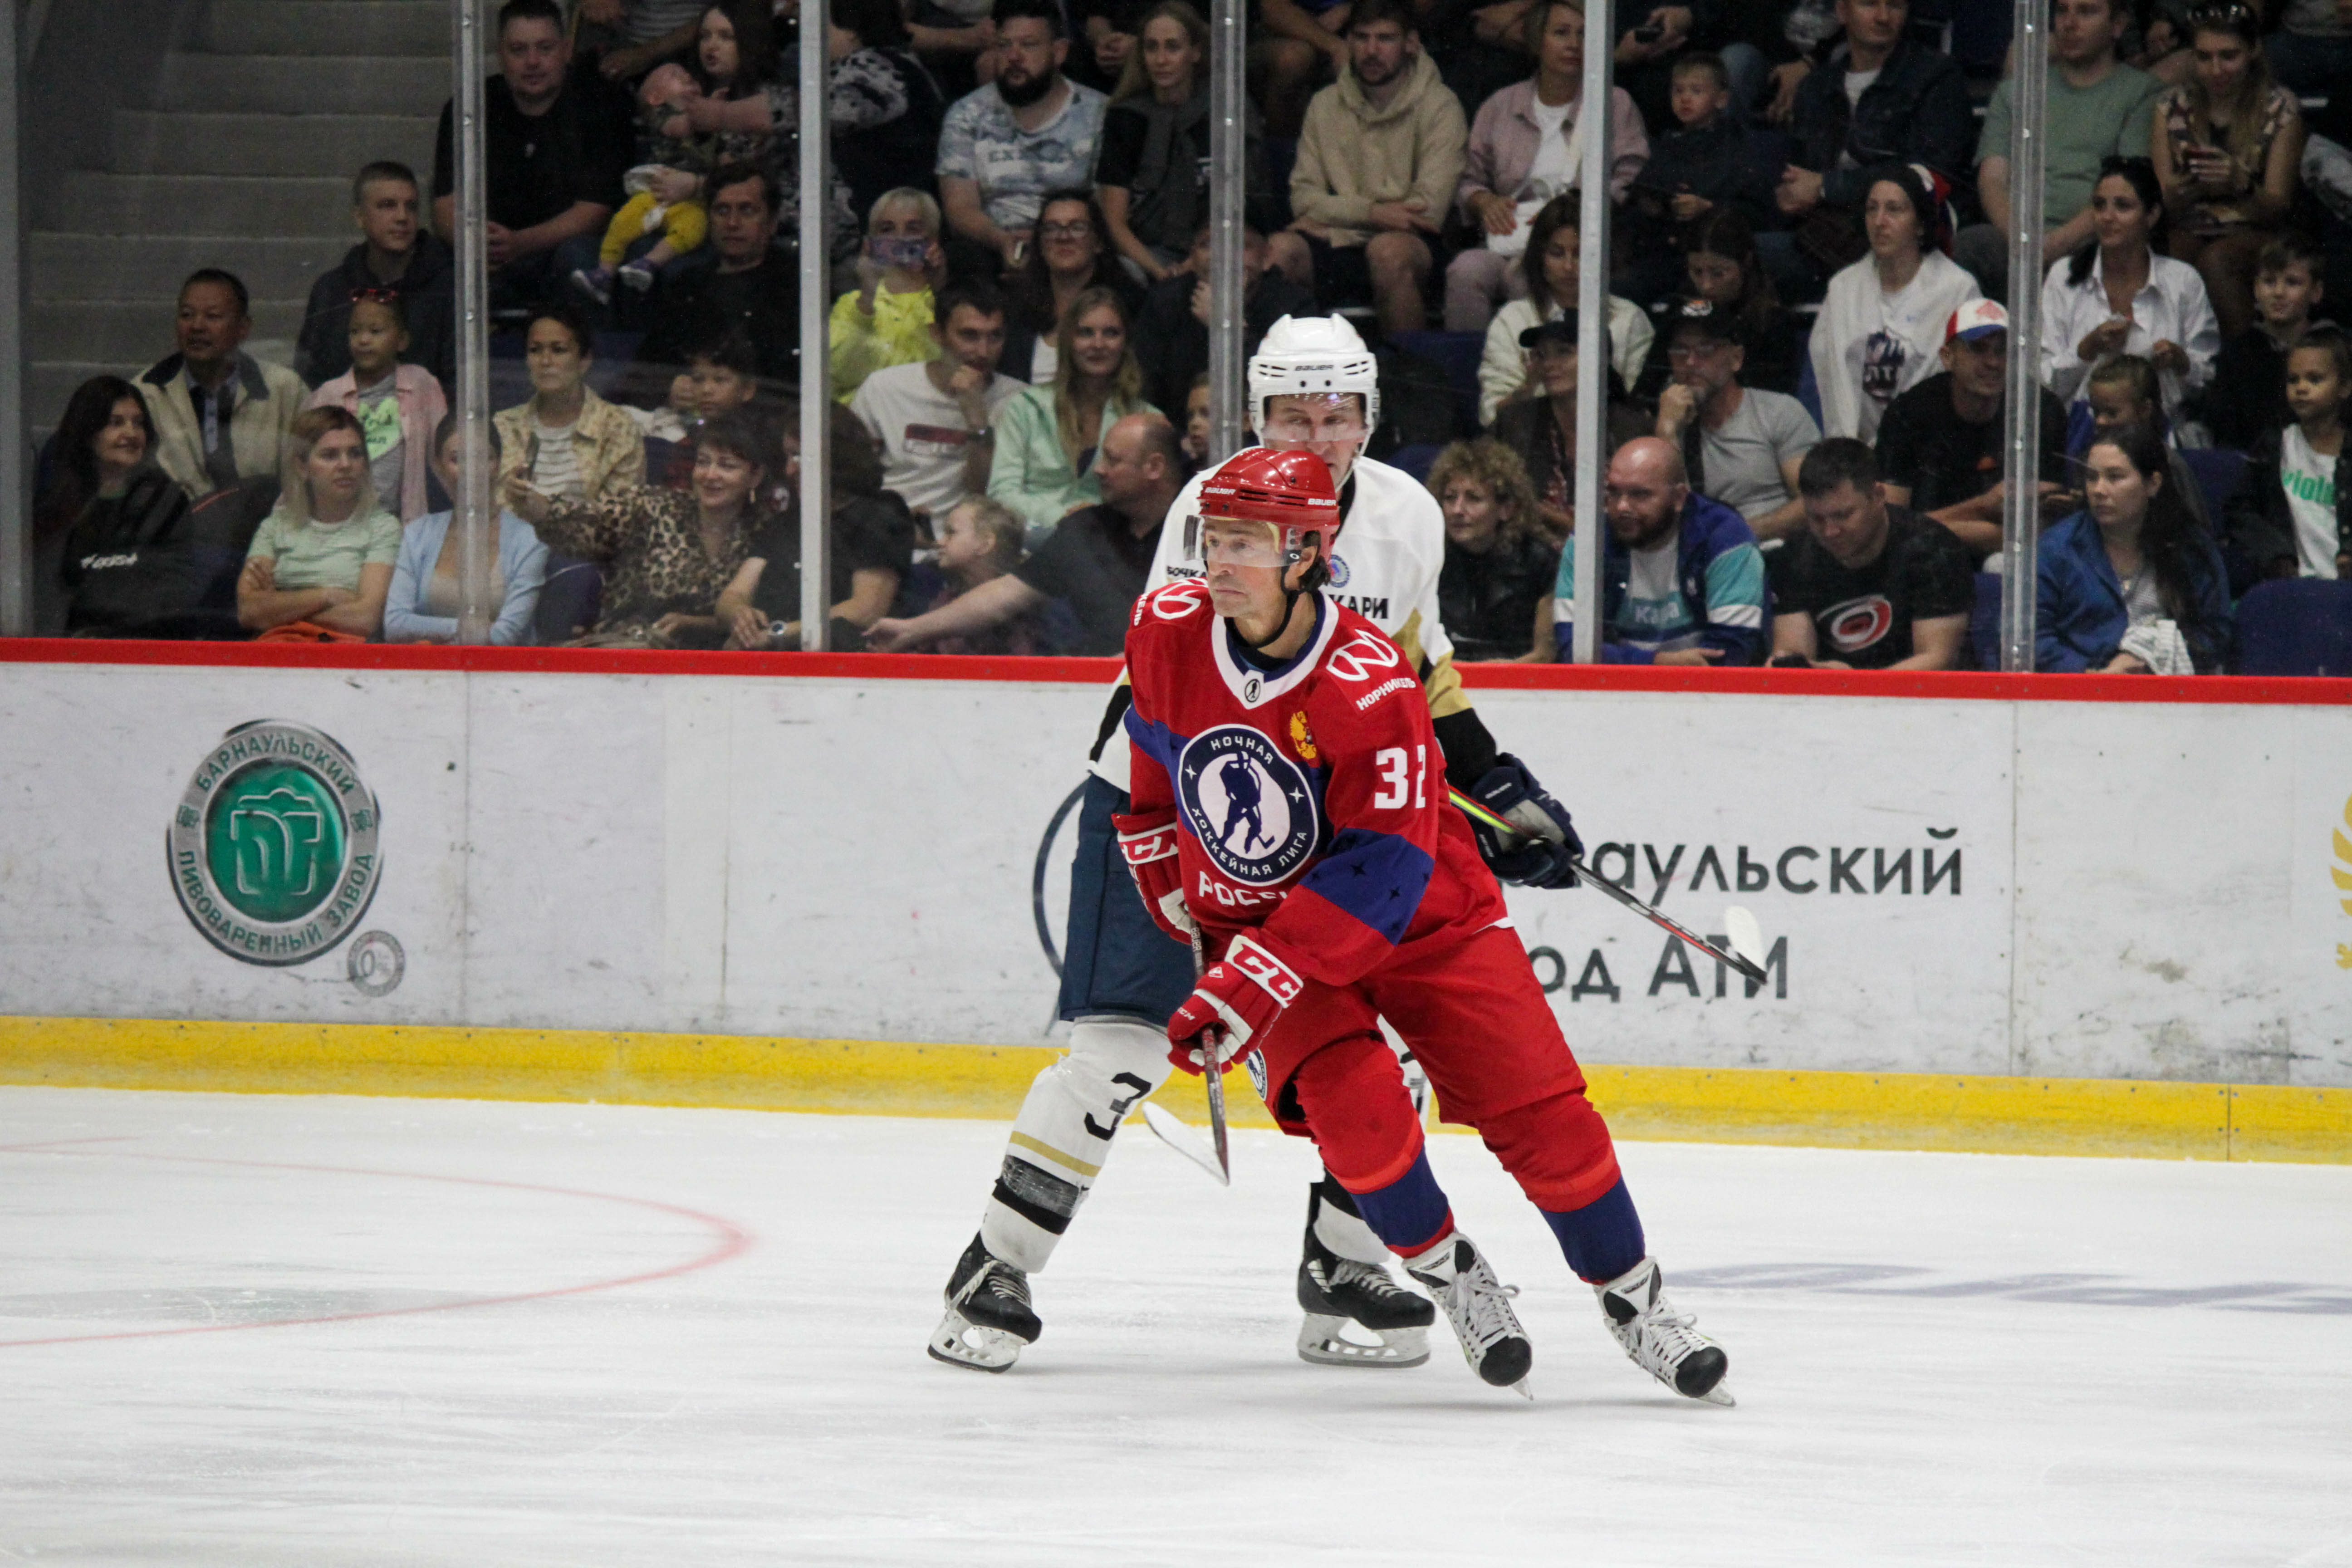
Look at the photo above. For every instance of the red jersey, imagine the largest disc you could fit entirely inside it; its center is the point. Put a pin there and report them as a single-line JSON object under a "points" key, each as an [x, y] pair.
{"points": [[1310, 798]]}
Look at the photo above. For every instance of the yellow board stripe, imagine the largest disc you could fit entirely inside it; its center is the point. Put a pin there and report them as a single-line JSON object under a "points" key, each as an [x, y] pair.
{"points": [[1725, 1105], [1022, 1141]]}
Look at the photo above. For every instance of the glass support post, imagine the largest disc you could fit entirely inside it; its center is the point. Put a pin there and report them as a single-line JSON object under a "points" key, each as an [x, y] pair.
{"points": [[15, 495], [477, 553], [2020, 522], [816, 388], [1592, 330], [1228, 155]]}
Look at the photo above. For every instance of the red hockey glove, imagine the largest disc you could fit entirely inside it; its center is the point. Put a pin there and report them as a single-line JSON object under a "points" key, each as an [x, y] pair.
{"points": [[1239, 998], [1149, 843]]}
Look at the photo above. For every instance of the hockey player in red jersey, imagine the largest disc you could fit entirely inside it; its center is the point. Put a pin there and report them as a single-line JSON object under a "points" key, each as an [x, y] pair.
{"points": [[1290, 815]]}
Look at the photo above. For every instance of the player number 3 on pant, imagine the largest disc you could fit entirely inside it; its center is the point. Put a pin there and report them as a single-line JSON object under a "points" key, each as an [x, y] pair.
{"points": [[1392, 766]]}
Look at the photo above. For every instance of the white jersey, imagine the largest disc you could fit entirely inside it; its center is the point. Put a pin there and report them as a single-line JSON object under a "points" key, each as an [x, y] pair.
{"points": [[1392, 549]]}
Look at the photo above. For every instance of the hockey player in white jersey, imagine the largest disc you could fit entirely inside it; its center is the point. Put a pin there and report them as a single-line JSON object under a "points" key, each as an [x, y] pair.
{"points": [[1312, 385]]}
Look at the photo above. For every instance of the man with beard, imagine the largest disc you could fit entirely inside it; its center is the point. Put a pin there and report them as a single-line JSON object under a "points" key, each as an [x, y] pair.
{"points": [[1001, 148], [1681, 579], [1379, 159]]}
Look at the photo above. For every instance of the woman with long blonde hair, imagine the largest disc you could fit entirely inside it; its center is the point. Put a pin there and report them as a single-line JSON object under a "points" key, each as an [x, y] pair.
{"points": [[1046, 436], [1150, 176]]}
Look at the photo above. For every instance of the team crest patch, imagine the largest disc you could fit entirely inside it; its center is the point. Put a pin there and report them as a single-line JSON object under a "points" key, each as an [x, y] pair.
{"points": [[1340, 572], [1248, 805]]}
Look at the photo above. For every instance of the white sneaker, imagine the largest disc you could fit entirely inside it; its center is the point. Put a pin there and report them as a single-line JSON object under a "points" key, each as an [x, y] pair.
{"points": [[1660, 1340], [1479, 1308]]}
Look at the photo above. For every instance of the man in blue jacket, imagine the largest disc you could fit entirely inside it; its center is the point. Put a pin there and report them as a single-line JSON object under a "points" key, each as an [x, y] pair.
{"points": [[1682, 581]]}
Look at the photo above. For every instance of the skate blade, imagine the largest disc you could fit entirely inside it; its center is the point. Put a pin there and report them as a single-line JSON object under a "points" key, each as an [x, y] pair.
{"points": [[1322, 1341], [959, 1342], [1524, 1391], [1718, 1395]]}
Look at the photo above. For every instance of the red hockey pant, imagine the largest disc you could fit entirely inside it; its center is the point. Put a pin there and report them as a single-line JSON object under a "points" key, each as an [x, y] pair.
{"points": [[1472, 1012]]}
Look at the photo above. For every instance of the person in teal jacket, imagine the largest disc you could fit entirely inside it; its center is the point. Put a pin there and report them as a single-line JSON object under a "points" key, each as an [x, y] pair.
{"points": [[2113, 577], [1046, 436]]}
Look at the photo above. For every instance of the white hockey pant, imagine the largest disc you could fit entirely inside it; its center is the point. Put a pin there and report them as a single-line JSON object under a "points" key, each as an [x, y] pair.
{"points": [[1063, 1135]]}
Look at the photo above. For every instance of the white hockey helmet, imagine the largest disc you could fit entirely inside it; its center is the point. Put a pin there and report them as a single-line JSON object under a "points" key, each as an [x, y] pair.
{"points": [[1312, 355]]}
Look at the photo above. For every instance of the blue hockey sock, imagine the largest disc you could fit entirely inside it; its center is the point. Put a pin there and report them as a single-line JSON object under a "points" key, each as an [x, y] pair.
{"points": [[1603, 1239], [1410, 1212]]}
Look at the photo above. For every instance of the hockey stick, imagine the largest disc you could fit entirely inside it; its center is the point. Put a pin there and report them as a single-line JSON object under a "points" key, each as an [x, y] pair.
{"points": [[1182, 1139], [1214, 1073], [1743, 926]]}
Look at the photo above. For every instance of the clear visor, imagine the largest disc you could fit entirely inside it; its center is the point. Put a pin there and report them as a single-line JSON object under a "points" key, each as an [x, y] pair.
{"points": [[1232, 542], [1297, 418]]}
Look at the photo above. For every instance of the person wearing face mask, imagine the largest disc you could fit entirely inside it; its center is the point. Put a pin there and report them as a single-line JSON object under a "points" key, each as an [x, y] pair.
{"points": [[665, 554], [2131, 584], [1047, 435], [1313, 387], [321, 564]]}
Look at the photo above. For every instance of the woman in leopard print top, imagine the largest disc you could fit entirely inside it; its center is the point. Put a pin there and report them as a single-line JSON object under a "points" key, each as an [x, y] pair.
{"points": [[667, 553]]}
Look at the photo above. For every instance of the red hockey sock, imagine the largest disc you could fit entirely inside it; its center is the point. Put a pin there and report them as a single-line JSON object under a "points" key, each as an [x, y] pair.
{"points": [[1557, 1150]]}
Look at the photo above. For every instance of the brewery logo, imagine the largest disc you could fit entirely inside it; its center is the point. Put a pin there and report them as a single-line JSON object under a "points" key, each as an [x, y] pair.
{"points": [[273, 849]]}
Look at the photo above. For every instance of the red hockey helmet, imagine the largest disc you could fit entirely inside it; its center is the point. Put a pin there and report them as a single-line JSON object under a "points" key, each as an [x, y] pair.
{"points": [[1289, 492]]}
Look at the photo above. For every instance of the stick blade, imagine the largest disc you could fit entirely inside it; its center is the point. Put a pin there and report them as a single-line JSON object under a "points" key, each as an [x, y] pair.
{"points": [[1182, 1139], [1746, 937]]}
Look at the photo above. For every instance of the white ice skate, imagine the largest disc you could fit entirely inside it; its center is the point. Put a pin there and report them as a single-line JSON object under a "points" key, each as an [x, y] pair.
{"points": [[1479, 1308], [989, 1316], [1660, 1340]]}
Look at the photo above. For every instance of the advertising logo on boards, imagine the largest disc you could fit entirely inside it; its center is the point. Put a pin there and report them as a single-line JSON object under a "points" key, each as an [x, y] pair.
{"points": [[2341, 871], [273, 848]]}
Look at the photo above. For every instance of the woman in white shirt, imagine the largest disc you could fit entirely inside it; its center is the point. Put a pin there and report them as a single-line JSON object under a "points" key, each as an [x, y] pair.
{"points": [[1882, 325], [2117, 295], [1554, 267]]}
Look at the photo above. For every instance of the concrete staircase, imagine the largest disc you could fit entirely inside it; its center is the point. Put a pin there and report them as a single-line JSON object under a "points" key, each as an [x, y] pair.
{"points": [[243, 159]]}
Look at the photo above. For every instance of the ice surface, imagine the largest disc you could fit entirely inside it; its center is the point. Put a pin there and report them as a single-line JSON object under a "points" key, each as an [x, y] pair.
{"points": [[621, 1335]]}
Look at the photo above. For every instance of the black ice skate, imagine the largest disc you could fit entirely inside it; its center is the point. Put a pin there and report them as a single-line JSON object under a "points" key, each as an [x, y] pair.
{"points": [[989, 1316], [1660, 1340], [1339, 1292], [1479, 1308]]}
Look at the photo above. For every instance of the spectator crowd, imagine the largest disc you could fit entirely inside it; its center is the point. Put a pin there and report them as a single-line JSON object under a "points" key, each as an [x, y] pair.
{"points": [[1808, 354]]}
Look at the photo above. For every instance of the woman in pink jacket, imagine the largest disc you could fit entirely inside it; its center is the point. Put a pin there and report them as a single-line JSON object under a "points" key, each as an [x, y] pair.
{"points": [[398, 405], [1525, 149]]}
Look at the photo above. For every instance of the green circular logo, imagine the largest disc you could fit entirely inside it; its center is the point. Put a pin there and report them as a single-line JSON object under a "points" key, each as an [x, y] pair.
{"points": [[273, 849], [278, 833]]}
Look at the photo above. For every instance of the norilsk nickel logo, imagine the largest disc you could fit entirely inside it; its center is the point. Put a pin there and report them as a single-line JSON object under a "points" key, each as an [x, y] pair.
{"points": [[1249, 805], [273, 849]]}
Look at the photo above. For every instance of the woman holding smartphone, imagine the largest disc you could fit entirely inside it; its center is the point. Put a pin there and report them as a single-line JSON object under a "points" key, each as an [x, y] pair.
{"points": [[566, 442], [2227, 144], [887, 320]]}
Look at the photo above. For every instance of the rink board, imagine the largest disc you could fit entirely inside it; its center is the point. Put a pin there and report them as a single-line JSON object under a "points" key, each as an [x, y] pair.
{"points": [[2033, 879], [1974, 1113]]}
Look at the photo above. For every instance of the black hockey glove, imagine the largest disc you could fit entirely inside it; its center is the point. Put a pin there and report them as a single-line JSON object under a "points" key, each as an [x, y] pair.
{"points": [[1539, 856]]}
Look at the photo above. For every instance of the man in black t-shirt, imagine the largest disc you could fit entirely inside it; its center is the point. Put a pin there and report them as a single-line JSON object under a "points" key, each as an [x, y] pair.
{"points": [[1868, 585], [1940, 444], [1096, 559], [556, 144]]}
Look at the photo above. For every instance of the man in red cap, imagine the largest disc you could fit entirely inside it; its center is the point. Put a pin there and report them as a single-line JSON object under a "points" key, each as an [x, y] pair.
{"points": [[1289, 814]]}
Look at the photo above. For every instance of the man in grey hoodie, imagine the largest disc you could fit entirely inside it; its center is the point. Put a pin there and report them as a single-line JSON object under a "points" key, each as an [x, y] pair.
{"points": [[1379, 158]]}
